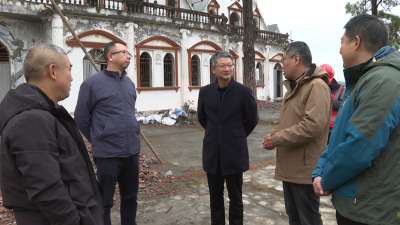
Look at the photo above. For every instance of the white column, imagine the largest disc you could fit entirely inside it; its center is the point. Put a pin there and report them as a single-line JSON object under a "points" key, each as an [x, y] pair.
{"points": [[239, 70], [266, 74], [57, 27], [130, 40], [184, 82], [226, 47]]}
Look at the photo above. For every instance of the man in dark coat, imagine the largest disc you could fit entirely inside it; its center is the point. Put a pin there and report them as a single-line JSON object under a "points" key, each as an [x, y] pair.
{"points": [[227, 111], [46, 174]]}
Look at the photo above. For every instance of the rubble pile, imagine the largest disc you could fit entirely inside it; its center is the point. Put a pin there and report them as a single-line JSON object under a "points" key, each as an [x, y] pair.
{"points": [[6, 216], [263, 104], [152, 183], [190, 118], [179, 117], [169, 117]]}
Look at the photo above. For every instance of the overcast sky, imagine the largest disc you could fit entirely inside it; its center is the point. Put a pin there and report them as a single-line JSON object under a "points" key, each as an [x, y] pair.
{"points": [[319, 23]]}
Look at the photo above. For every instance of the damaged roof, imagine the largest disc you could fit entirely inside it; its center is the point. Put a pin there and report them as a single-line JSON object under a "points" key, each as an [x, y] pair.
{"points": [[199, 5], [272, 27]]}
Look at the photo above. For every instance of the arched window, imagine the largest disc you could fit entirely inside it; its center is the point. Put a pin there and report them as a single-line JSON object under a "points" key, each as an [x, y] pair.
{"points": [[212, 75], [235, 19], [259, 74], [5, 73], [196, 81], [278, 80], [145, 70], [98, 57], [169, 70]]}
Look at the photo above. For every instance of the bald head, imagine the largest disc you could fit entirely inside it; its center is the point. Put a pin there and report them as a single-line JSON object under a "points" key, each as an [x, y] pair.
{"points": [[39, 58]]}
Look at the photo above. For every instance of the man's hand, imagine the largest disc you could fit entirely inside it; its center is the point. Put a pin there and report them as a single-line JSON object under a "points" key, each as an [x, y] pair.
{"points": [[318, 188], [267, 143]]}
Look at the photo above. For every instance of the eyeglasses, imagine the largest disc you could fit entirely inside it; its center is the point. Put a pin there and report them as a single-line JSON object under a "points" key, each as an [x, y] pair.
{"points": [[289, 57], [224, 66], [126, 53]]}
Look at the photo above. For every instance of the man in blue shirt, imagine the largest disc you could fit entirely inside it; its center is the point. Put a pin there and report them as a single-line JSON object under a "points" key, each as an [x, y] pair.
{"points": [[105, 114]]}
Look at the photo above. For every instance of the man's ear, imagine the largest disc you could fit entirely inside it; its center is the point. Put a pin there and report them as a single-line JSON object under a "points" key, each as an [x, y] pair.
{"points": [[213, 69], [296, 59], [109, 57], [356, 42], [52, 71]]}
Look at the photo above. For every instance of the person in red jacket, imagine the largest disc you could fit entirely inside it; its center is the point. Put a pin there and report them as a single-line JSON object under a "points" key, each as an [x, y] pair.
{"points": [[337, 91]]}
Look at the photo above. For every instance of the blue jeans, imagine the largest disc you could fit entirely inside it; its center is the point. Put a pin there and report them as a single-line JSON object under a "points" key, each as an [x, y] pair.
{"points": [[302, 204], [125, 171]]}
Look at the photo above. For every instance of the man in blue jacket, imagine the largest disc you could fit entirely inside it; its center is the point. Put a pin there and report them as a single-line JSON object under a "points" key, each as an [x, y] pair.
{"points": [[105, 114], [227, 111], [360, 166]]}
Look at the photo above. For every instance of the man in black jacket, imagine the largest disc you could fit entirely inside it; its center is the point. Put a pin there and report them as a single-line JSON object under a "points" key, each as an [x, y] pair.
{"points": [[227, 111], [46, 173]]}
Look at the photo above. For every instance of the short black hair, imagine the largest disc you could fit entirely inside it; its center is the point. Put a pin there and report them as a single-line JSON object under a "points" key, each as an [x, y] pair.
{"points": [[220, 54], [299, 48], [371, 30], [109, 46], [39, 58]]}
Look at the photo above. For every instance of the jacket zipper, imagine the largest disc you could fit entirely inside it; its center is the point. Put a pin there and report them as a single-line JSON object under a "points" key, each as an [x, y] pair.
{"points": [[126, 123]]}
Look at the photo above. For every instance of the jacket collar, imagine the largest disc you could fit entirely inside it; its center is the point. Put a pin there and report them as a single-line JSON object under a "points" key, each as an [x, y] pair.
{"points": [[24, 97], [215, 84], [114, 74], [353, 73], [311, 73]]}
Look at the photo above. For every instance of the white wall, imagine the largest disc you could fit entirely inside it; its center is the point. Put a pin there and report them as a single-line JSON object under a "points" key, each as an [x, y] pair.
{"points": [[157, 100]]}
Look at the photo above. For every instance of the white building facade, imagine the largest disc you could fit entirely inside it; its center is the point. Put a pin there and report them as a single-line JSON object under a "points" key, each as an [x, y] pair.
{"points": [[171, 41]]}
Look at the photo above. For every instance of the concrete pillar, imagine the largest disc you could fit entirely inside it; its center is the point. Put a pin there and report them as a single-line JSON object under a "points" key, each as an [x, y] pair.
{"points": [[239, 70], [184, 81], [226, 46], [130, 40], [57, 27], [266, 74]]}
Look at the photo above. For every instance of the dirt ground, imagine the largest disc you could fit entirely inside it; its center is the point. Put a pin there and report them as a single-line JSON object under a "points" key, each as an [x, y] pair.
{"points": [[180, 147]]}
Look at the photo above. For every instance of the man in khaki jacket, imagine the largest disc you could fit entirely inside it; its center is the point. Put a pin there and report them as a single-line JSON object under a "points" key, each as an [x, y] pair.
{"points": [[302, 132]]}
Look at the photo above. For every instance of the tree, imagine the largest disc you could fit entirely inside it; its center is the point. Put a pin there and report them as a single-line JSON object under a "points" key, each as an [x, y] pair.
{"points": [[248, 46], [391, 20]]}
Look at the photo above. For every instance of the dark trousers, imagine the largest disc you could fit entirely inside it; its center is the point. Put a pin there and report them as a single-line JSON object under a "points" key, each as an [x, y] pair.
{"points": [[341, 220], [234, 185], [302, 204], [125, 171]]}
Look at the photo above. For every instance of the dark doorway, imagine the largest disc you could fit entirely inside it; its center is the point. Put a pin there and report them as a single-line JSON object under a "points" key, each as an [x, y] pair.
{"points": [[278, 79], [145, 70]]}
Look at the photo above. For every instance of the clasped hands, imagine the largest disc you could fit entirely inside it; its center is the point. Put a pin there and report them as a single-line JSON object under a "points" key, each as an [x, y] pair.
{"points": [[319, 191], [267, 142]]}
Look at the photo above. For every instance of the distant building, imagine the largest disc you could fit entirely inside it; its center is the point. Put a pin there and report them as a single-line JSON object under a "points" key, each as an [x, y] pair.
{"points": [[171, 42]]}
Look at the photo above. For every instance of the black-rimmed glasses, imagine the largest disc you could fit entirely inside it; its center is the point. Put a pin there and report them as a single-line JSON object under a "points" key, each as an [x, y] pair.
{"points": [[126, 53], [224, 66]]}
